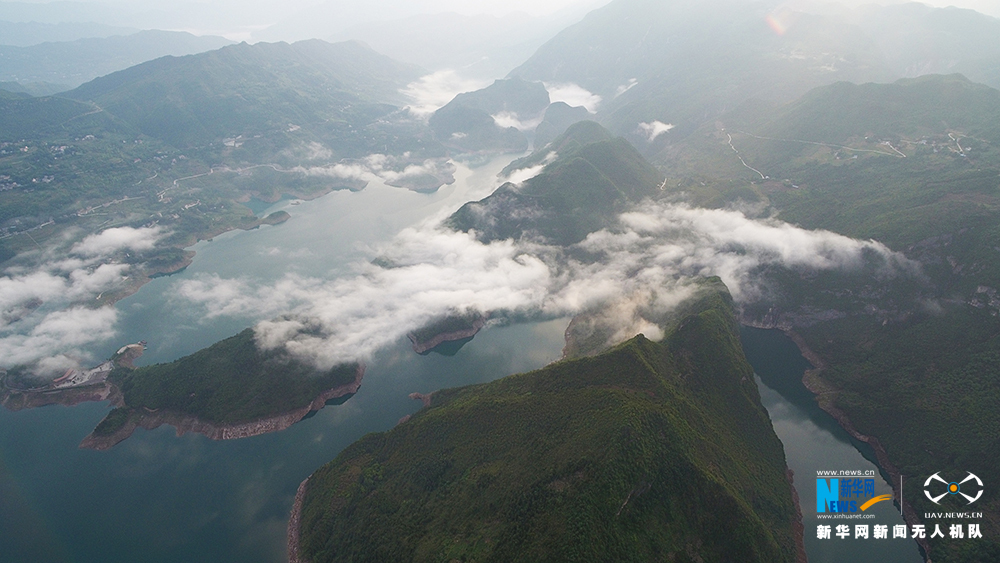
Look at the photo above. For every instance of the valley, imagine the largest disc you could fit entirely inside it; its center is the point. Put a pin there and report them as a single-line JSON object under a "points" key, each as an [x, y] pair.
{"points": [[445, 318]]}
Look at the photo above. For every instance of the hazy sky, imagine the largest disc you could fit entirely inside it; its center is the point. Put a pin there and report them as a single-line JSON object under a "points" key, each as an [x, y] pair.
{"points": [[498, 7], [270, 11], [297, 19]]}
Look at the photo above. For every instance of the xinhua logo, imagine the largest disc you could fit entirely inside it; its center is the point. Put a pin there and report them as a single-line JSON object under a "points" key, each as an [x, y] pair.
{"points": [[971, 484], [846, 495]]}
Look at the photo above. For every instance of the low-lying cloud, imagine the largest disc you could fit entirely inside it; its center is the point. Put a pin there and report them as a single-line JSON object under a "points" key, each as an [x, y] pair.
{"points": [[393, 170], [114, 239], [433, 91], [57, 339], [632, 82], [637, 271], [48, 315], [507, 119], [573, 94], [523, 174], [654, 129]]}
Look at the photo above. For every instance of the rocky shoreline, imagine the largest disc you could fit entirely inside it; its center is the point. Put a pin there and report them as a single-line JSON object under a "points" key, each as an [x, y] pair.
{"points": [[295, 524], [98, 390], [826, 395], [16, 400], [184, 423], [424, 346]]}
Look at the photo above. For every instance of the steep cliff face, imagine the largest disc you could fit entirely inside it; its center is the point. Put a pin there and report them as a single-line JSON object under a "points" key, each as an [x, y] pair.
{"points": [[647, 451]]}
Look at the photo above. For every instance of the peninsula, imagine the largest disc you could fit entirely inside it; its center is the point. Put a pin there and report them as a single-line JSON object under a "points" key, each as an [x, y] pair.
{"points": [[230, 390]]}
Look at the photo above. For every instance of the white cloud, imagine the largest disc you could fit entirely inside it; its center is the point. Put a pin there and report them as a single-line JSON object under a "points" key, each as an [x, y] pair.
{"points": [[626, 87], [573, 94], [654, 129], [507, 119], [643, 269], [390, 169], [434, 90], [45, 313], [57, 336], [524, 174], [309, 151], [346, 171], [114, 239]]}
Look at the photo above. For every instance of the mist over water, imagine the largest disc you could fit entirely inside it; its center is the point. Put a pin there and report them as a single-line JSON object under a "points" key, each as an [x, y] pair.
{"points": [[428, 272]]}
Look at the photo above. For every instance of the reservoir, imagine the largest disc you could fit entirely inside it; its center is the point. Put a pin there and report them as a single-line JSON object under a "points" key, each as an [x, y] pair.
{"points": [[814, 442], [157, 497]]}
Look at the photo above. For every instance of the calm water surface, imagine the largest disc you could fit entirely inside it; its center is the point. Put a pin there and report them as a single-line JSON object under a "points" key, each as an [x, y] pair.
{"points": [[157, 497], [160, 498], [815, 442]]}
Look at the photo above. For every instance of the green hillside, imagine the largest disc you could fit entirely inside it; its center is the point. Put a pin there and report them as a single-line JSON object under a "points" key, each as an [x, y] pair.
{"points": [[650, 451], [231, 381], [593, 178], [254, 89], [916, 165]]}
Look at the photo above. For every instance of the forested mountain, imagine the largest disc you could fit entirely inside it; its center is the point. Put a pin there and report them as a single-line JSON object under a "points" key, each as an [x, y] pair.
{"points": [[587, 177], [252, 89], [914, 164], [647, 451]]}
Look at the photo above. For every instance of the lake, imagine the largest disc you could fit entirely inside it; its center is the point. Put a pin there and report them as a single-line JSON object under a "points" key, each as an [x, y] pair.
{"points": [[160, 498], [815, 442]]}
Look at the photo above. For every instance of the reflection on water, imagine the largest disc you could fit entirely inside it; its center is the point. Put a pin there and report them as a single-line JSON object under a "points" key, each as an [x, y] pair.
{"points": [[814, 442]]}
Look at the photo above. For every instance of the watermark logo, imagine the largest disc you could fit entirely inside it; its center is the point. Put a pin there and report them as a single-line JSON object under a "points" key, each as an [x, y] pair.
{"points": [[847, 494], [971, 483]]}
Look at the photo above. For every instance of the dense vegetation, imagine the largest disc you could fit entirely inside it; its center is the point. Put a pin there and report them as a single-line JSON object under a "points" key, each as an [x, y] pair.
{"points": [[914, 365], [453, 323], [230, 381], [650, 451], [592, 179]]}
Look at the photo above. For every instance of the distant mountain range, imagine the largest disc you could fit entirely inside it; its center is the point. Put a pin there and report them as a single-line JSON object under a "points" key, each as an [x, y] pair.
{"points": [[259, 120], [683, 64], [479, 46], [916, 39], [25, 34], [72, 63], [254, 89]]}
